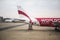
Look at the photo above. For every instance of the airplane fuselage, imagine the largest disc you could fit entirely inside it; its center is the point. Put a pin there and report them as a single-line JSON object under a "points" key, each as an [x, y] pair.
{"points": [[48, 21]]}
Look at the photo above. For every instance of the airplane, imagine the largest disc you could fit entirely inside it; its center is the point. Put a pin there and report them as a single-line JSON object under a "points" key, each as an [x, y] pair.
{"points": [[14, 20], [50, 22], [8, 19]]}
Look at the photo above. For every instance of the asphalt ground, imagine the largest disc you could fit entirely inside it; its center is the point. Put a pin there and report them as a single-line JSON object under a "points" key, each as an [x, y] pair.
{"points": [[19, 31]]}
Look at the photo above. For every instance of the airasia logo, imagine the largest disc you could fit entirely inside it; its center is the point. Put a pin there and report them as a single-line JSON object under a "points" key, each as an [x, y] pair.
{"points": [[53, 19], [48, 21]]}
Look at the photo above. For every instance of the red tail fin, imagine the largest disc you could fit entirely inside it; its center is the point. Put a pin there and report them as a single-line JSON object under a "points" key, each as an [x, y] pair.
{"points": [[20, 11]]}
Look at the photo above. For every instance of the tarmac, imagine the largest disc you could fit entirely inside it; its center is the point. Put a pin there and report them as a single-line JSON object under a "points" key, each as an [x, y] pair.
{"points": [[19, 31]]}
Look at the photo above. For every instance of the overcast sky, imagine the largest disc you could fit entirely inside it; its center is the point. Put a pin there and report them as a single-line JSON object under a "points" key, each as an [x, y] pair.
{"points": [[34, 8]]}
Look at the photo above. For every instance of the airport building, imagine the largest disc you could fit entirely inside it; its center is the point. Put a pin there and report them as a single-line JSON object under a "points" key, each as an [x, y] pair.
{"points": [[1, 19]]}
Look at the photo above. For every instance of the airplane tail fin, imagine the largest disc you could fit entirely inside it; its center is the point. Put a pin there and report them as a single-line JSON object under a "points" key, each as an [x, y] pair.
{"points": [[20, 11]]}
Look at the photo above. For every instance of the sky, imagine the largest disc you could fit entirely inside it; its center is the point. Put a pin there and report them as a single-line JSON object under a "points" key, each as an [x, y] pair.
{"points": [[34, 8]]}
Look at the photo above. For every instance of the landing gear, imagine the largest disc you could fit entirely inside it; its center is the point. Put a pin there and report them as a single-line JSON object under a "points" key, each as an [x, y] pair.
{"points": [[56, 28], [30, 26]]}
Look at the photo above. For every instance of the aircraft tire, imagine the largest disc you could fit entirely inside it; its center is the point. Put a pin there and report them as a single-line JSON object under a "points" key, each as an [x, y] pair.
{"points": [[57, 29]]}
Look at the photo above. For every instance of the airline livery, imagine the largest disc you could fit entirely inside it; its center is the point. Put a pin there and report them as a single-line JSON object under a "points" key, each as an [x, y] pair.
{"points": [[51, 22]]}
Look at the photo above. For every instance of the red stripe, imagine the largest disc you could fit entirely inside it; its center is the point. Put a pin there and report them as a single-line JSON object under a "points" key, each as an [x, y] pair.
{"points": [[21, 12]]}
